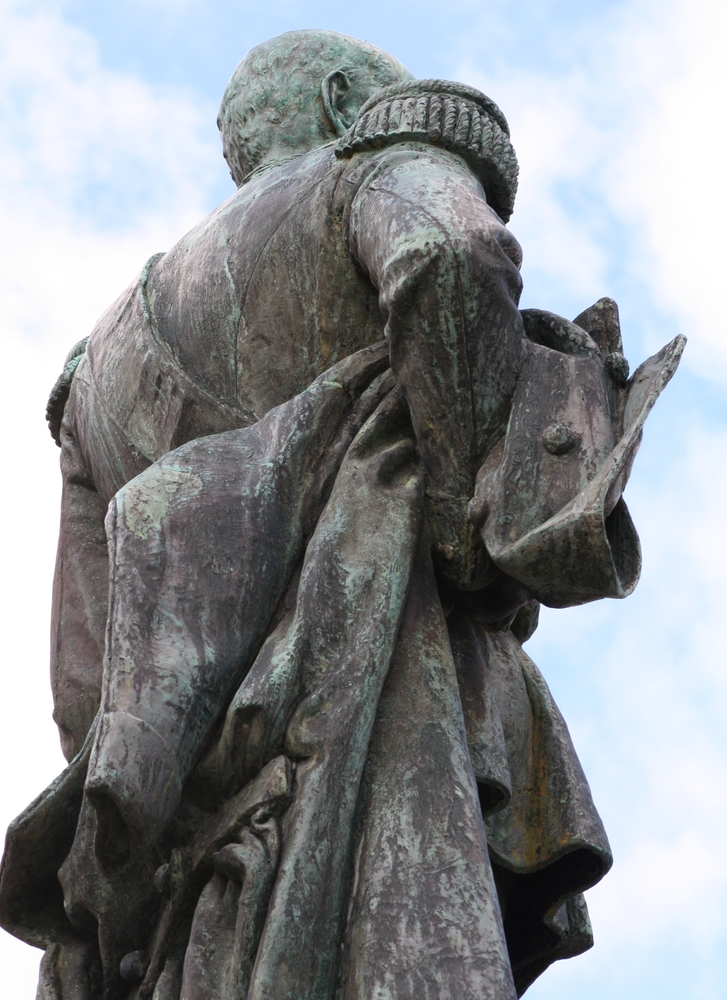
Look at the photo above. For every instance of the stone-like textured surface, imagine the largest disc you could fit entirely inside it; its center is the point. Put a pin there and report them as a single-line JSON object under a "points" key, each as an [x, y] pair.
{"points": [[319, 472]]}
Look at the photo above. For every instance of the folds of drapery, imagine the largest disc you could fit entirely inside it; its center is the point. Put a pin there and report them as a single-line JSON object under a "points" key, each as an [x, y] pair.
{"points": [[129, 403], [437, 829]]}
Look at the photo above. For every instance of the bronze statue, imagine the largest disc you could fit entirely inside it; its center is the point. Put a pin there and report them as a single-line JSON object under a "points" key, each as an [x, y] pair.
{"points": [[319, 473]]}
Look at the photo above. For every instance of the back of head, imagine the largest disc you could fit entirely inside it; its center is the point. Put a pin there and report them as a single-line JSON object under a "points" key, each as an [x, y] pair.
{"points": [[296, 92]]}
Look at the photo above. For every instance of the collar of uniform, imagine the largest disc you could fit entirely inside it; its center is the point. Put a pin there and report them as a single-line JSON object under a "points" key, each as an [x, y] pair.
{"points": [[445, 114]]}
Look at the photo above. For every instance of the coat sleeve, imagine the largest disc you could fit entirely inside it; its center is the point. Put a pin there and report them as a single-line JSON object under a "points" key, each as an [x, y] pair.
{"points": [[447, 272]]}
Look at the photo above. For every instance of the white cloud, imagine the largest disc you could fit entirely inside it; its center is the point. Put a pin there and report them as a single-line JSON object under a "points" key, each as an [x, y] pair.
{"points": [[556, 147], [98, 171], [671, 177], [622, 163]]}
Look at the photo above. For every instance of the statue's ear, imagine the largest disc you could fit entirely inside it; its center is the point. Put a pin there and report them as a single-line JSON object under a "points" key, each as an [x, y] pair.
{"points": [[336, 100]]}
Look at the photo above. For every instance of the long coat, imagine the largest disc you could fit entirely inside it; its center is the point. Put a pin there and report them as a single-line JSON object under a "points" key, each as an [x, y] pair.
{"points": [[316, 761]]}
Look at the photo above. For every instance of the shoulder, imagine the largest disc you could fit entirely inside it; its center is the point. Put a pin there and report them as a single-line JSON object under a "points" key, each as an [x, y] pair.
{"points": [[446, 116], [236, 231]]}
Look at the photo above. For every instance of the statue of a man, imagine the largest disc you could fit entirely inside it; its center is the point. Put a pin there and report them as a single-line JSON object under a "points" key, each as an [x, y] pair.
{"points": [[319, 470]]}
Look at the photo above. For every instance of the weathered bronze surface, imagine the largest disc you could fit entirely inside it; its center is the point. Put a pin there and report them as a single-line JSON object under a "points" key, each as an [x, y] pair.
{"points": [[319, 473]]}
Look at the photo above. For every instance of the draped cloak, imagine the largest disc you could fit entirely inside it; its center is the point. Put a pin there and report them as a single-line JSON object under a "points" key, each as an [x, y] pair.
{"points": [[435, 806]]}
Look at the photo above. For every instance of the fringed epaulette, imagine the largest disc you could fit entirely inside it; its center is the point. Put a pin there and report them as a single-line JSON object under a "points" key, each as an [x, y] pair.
{"points": [[449, 115], [61, 390]]}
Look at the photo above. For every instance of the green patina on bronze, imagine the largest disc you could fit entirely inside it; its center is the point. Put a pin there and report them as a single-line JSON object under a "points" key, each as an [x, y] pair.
{"points": [[319, 473]]}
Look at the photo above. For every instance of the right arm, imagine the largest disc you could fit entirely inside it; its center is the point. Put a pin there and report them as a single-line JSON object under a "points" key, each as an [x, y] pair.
{"points": [[446, 269]]}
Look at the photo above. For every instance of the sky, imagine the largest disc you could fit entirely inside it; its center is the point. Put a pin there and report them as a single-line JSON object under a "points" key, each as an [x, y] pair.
{"points": [[109, 153]]}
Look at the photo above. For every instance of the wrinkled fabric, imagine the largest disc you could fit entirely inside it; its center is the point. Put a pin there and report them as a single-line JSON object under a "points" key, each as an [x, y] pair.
{"points": [[404, 727], [423, 882], [544, 834]]}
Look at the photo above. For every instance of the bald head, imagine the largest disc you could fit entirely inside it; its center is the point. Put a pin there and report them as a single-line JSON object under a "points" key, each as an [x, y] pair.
{"points": [[296, 92]]}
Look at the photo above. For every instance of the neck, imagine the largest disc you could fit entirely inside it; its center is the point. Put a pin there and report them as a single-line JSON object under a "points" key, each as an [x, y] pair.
{"points": [[279, 153]]}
